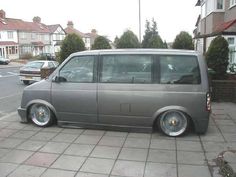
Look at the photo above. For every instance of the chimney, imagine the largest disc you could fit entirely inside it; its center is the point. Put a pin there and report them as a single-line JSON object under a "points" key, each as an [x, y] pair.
{"points": [[37, 19], [94, 31], [70, 24], [2, 14]]}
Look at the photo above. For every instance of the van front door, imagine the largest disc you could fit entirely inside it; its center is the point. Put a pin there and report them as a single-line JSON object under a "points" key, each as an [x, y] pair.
{"points": [[74, 96]]}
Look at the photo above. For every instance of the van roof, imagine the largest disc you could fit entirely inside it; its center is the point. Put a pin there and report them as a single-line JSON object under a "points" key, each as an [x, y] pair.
{"points": [[138, 51]]}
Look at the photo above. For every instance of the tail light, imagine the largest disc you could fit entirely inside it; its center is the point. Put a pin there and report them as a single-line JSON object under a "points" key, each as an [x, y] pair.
{"points": [[208, 102]]}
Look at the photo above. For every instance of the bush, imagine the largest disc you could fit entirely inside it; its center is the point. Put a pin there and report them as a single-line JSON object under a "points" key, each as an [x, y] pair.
{"points": [[128, 40], [217, 56], [101, 43], [72, 43], [183, 41], [26, 56]]}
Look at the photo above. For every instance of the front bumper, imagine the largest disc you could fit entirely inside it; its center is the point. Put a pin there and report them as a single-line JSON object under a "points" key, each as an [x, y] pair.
{"points": [[23, 114]]}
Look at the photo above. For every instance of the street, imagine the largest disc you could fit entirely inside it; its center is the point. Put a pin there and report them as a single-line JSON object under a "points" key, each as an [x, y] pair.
{"points": [[10, 90]]}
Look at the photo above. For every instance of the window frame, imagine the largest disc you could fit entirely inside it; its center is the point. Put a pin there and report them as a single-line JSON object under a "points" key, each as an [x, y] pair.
{"points": [[10, 35], [100, 68], [95, 63]]}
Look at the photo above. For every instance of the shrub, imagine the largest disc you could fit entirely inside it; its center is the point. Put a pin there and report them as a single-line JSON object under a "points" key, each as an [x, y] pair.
{"points": [[26, 56], [217, 56], [128, 40], [101, 43], [72, 43], [183, 41]]}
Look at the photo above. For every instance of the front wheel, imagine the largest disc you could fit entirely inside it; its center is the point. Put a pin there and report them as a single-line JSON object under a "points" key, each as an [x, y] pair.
{"points": [[173, 123], [41, 115], [26, 82]]}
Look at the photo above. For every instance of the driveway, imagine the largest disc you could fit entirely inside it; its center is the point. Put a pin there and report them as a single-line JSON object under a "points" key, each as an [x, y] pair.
{"points": [[26, 150]]}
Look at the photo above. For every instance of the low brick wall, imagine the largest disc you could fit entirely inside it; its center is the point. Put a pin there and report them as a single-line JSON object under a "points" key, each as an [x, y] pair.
{"points": [[223, 90]]}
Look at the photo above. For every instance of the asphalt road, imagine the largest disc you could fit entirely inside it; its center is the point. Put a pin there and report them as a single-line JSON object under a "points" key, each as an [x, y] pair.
{"points": [[10, 90]]}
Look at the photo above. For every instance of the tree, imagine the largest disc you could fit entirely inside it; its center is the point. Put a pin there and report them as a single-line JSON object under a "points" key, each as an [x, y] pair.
{"points": [[217, 56], [151, 38], [116, 40], [183, 41], [128, 40], [101, 43], [72, 43]]}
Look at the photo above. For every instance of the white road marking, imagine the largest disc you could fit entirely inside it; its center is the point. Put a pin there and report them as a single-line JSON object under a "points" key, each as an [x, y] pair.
{"points": [[15, 74], [9, 96], [8, 115]]}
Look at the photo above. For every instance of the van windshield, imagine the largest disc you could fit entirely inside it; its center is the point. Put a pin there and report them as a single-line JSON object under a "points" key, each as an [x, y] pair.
{"points": [[176, 69]]}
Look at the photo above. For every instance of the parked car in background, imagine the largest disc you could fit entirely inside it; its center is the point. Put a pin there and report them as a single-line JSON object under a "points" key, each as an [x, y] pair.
{"points": [[31, 72], [135, 89], [4, 61], [47, 56]]}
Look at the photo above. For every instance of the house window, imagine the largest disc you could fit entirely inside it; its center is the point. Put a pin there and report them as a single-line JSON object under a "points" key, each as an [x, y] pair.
{"points": [[23, 35], [232, 3], [33, 36], [231, 41], [10, 35], [203, 10], [220, 4]]}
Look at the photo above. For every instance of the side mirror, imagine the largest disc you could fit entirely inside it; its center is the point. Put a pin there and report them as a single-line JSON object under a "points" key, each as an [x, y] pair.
{"points": [[59, 79]]}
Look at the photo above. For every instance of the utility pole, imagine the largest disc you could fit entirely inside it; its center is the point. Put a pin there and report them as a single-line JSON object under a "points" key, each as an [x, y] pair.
{"points": [[139, 20]]}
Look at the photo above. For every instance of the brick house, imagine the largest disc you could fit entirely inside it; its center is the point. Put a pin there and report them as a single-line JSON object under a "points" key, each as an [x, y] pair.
{"points": [[88, 38], [218, 17]]}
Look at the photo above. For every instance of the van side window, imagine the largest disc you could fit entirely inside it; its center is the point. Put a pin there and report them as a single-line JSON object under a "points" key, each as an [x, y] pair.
{"points": [[78, 69], [126, 69], [179, 70]]}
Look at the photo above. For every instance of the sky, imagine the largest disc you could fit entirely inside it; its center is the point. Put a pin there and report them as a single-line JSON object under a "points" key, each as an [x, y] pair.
{"points": [[109, 17]]}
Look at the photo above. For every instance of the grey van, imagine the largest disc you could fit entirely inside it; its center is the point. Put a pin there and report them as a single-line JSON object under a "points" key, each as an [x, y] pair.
{"points": [[133, 89]]}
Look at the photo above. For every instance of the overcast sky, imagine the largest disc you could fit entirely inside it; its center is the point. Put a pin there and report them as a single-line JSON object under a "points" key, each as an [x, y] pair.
{"points": [[109, 17]]}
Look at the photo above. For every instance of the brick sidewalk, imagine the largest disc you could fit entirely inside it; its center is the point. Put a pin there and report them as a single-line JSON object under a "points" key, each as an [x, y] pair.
{"points": [[26, 150]]}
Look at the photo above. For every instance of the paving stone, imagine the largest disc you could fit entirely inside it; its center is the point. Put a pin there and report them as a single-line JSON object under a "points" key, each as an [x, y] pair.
{"points": [[67, 162], [76, 131], [41, 159], [54, 147], [159, 135], [4, 124], [54, 129], [65, 137], [81, 174], [10, 143], [163, 156], [88, 139], [79, 149], [163, 144], [228, 129], [160, 169], [32, 127], [24, 134], [7, 132], [27, 171], [230, 157], [139, 135], [193, 171], [43, 136], [96, 165], [133, 154], [4, 152], [137, 142], [214, 137], [31, 145], [105, 152], [112, 141], [194, 158], [6, 168], [189, 137], [128, 168], [189, 145], [16, 125], [230, 137], [58, 173], [16, 156], [215, 146], [222, 122], [94, 132], [116, 133]]}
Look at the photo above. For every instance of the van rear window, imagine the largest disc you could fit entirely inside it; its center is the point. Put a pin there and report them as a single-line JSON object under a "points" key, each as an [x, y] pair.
{"points": [[178, 69]]}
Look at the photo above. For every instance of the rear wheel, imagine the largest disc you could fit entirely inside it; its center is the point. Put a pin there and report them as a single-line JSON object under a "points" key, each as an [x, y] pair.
{"points": [[173, 123], [26, 82], [41, 115]]}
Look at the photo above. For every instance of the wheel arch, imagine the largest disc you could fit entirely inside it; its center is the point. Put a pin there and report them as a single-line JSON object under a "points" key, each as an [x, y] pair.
{"points": [[39, 101]]}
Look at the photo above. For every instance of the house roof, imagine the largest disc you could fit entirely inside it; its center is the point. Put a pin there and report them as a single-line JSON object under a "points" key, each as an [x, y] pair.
{"points": [[198, 3], [18, 24], [70, 30], [53, 28], [224, 26], [7, 43]]}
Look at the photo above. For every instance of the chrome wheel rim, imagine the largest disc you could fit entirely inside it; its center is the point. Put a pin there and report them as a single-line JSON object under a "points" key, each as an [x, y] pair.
{"points": [[173, 123], [40, 114]]}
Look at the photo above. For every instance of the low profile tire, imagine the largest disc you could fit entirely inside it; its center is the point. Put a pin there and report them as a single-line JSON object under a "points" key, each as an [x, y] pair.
{"points": [[41, 115], [26, 82], [173, 123]]}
